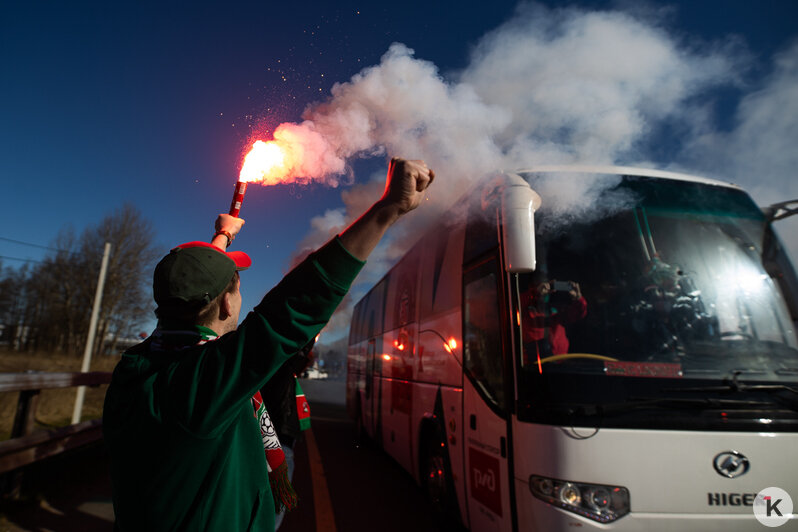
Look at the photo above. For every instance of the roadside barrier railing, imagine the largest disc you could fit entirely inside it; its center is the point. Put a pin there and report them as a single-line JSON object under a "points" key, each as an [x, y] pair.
{"points": [[28, 444]]}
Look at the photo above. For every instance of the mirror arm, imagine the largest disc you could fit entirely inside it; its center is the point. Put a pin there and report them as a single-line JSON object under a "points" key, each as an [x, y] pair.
{"points": [[779, 211]]}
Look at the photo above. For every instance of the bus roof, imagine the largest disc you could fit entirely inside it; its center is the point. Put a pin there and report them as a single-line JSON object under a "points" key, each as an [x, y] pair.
{"points": [[622, 170]]}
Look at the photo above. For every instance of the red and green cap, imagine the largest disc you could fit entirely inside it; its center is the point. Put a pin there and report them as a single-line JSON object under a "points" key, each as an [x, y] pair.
{"points": [[194, 273]]}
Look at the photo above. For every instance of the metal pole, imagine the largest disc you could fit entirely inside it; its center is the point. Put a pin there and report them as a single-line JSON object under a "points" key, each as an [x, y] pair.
{"points": [[95, 311]]}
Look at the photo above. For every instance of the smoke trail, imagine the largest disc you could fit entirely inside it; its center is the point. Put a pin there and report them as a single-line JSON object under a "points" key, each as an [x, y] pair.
{"points": [[400, 106], [759, 152], [549, 86]]}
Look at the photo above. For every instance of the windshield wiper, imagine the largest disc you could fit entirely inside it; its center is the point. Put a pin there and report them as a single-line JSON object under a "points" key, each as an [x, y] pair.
{"points": [[635, 403], [663, 404], [733, 385], [677, 402]]}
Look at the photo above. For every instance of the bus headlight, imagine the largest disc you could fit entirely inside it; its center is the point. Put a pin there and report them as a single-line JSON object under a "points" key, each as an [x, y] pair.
{"points": [[597, 502], [570, 494]]}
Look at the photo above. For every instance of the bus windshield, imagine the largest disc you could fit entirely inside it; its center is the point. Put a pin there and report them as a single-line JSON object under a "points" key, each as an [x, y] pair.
{"points": [[672, 286]]}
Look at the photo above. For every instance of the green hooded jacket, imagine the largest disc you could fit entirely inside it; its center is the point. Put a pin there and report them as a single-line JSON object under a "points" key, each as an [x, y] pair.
{"points": [[186, 450]]}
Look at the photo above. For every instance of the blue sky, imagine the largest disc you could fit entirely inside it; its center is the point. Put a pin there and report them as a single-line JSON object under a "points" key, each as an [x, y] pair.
{"points": [[155, 103]]}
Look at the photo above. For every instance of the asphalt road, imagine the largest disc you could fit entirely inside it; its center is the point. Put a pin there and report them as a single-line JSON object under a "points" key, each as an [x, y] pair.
{"points": [[342, 487], [366, 489]]}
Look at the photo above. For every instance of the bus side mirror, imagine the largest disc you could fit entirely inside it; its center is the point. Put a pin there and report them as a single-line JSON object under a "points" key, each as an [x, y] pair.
{"points": [[519, 203]]}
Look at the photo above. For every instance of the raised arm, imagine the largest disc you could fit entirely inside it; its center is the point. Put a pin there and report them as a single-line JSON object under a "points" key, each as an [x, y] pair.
{"points": [[405, 188], [296, 309]]}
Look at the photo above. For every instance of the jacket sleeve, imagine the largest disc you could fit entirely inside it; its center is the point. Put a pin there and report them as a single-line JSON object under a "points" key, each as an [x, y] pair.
{"points": [[211, 387]]}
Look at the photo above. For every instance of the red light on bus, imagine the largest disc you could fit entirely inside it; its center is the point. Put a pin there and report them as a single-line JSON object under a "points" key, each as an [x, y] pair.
{"points": [[540, 364], [451, 344], [386, 358]]}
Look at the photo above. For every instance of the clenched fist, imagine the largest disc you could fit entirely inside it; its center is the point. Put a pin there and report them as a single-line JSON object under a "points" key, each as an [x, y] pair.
{"points": [[407, 183]]}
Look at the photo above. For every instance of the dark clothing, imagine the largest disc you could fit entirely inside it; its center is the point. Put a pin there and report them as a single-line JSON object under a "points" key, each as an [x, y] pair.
{"points": [[279, 397], [186, 450]]}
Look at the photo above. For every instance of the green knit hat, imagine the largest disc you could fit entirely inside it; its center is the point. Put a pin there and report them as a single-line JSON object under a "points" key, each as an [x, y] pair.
{"points": [[194, 273]]}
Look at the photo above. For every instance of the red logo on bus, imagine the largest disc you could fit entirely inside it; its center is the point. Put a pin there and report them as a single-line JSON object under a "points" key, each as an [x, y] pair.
{"points": [[486, 480]]}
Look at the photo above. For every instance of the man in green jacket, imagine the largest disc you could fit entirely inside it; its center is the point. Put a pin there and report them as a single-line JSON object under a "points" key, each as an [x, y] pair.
{"points": [[186, 449]]}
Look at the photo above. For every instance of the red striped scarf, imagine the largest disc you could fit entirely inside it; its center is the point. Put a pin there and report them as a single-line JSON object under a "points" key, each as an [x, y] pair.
{"points": [[282, 491]]}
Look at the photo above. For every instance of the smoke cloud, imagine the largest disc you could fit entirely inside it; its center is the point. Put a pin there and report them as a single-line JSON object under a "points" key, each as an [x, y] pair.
{"points": [[552, 86], [759, 152]]}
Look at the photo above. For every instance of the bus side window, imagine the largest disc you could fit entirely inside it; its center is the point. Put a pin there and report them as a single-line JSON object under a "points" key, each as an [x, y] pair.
{"points": [[482, 327]]}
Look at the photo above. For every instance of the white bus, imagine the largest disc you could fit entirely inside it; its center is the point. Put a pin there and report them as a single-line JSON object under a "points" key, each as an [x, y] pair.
{"points": [[632, 366]]}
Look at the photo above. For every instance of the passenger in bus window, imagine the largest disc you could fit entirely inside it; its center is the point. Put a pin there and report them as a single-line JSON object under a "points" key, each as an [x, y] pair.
{"points": [[546, 307]]}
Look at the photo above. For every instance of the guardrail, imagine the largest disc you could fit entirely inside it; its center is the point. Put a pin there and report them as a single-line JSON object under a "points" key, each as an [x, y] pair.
{"points": [[28, 445]]}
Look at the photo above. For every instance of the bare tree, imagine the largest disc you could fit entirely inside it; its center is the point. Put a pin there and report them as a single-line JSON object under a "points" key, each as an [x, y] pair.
{"points": [[126, 299], [53, 312], [55, 298], [13, 296]]}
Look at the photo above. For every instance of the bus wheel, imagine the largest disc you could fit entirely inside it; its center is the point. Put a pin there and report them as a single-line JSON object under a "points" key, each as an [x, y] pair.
{"points": [[435, 477]]}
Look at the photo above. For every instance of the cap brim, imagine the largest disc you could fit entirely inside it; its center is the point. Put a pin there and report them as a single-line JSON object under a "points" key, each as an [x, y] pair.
{"points": [[241, 259]]}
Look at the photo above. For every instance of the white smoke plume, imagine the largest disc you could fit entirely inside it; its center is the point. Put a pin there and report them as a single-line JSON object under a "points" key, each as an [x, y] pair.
{"points": [[759, 152], [402, 105], [551, 86]]}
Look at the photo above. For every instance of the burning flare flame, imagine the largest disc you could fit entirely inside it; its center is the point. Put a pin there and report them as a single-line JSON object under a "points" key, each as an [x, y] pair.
{"points": [[267, 163], [299, 154]]}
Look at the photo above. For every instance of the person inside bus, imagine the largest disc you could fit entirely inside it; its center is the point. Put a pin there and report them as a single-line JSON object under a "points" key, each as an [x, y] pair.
{"points": [[547, 306], [670, 311]]}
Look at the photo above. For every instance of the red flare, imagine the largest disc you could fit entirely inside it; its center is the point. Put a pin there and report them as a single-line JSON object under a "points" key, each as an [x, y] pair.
{"points": [[238, 198]]}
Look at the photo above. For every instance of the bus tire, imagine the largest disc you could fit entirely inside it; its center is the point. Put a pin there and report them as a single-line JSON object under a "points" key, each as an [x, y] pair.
{"points": [[436, 480]]}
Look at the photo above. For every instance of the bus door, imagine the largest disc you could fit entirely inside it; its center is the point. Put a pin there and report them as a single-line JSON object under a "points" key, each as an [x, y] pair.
{"points": [[487, 477], [373, 390], [371, 318]]}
